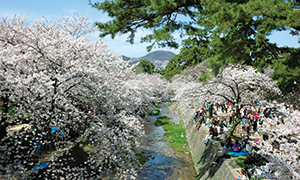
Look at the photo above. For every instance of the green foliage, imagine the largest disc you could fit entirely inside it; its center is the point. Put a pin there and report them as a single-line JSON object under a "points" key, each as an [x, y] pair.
{"points": [[142, 158], [162, 120], [239, 31], [204, 76], [159, 16], [155, 112], [146, 66], [157, 71], [11, 111], [174, 66], [195, 49], [287, 70], [225, 31]]}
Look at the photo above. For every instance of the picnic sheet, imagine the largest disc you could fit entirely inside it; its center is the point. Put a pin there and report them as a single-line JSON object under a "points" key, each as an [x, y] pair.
{"points": [[241, 153], [41, 166]]}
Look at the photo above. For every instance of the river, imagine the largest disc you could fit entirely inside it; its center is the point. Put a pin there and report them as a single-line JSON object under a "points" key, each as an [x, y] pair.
{"points": [[165, 162]]}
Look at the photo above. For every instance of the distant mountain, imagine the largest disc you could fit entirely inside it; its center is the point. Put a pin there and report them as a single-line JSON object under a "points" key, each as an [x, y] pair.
{"points": [[159, 55], [159, 58]]}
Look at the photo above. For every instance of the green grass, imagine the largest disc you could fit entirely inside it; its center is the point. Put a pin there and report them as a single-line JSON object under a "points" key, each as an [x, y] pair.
{"points": [[162, 120], [155, 112], [174, 133], [240, 160], [168, 104]]}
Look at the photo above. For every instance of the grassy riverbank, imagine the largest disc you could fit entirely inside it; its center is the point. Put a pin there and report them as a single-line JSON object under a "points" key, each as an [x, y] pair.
{"points": [[155, 112], [169, 104], [174, 133]]}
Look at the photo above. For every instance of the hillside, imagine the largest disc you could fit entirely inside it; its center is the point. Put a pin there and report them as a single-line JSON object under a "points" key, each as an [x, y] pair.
{"points": [[159, 55], [159, 58]]}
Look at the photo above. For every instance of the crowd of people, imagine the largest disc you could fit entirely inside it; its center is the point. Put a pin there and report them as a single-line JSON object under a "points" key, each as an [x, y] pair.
{"points": [[43, 137], [225, 115]]}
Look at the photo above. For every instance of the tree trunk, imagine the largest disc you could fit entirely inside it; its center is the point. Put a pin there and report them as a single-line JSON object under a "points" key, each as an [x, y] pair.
{"points": [[2, 131], [230, 132], [3, 123], [239, 119], [210, 110]]}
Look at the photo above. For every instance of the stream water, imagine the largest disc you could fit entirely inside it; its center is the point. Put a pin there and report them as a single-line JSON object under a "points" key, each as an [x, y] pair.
{"points": [[165, 162]]}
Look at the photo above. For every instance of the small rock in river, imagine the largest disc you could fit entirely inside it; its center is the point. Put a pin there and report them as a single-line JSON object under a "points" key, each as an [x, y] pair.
{"points": [[157, 175], [152, 157], [149, 155], [159, 163], [170, 156]]}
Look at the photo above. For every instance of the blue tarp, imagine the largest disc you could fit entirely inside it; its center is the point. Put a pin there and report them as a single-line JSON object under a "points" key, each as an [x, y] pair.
{"points": [[37, 146], [53, 128], [41, 166], [241, 153]]}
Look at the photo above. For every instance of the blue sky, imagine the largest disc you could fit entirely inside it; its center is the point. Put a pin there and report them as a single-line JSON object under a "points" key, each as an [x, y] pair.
{"points": [[52, 9]]}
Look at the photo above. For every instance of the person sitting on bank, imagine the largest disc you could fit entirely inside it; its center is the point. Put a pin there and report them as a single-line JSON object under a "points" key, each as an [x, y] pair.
{"points": [[245, 141], [223, 122], [224, 154], [236, 146], [228, 143], [225, 130], [208, 138], [200, 122]]}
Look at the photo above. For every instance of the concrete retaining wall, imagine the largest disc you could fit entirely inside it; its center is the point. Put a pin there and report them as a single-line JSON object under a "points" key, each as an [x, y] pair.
{"points": [[203, 157]]}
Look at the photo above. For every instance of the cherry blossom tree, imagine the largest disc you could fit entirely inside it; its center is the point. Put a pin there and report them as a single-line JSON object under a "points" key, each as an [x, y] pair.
{"points": [[233, 84], [282, 149], [58, 77]]}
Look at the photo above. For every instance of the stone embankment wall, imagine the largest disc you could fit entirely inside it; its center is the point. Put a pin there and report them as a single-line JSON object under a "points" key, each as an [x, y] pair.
{"points": [[203, 157]]}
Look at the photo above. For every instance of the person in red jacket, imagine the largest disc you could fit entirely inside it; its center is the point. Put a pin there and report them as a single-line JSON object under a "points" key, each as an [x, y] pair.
{"points": [[255, 114]]}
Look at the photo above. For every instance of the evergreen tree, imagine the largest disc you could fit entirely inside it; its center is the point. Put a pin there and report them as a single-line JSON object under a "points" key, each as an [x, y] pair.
{"points": [[146, 66], [227, 31], [194, 51]]}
